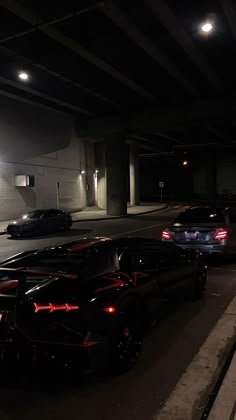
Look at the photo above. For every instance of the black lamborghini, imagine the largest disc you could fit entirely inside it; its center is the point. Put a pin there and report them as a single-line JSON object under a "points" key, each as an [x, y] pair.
{"points": [[91, 300]]}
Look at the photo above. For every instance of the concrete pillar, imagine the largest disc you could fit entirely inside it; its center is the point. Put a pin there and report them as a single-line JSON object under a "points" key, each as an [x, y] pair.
{"points": [[133, 174], [116, 176], [100, 176], [90, 169]]}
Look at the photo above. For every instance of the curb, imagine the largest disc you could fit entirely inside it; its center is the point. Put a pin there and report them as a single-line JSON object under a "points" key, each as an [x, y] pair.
{"points": [[120, 217], [190, 397]]}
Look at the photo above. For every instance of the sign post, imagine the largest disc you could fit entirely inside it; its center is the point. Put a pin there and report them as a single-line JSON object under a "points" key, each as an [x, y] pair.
{"points": [[57, 191], [161, 185]]}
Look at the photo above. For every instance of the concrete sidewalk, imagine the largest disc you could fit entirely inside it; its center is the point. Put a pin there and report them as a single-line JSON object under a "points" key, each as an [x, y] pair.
{"points": [[93, 213], [224, 407], [192, 397]]}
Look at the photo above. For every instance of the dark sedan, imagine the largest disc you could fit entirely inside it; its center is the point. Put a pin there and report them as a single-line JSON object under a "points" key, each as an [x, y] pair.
{"points": [[210, 229], [92, 300], [39, 222]]}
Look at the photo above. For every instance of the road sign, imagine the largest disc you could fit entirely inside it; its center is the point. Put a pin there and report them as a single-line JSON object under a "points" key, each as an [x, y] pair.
{"points": [[161, 185]]}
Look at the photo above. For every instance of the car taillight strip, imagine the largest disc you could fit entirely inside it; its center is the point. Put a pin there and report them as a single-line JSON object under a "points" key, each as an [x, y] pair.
{"points": [[220, 234], [166, 234], [50, 307]]}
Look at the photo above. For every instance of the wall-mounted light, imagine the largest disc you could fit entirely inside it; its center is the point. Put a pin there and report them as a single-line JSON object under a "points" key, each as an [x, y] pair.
{"points": [[23, 75], [96, 171], [82, 172]]}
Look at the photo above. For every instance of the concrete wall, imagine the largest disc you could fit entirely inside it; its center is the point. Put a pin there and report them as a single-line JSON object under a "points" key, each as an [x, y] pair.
{"points": [[42, 143], [225, 178]]}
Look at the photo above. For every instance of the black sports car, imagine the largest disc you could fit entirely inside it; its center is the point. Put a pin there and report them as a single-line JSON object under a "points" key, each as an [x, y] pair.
{"points": [[40, 222], [91, 300]]}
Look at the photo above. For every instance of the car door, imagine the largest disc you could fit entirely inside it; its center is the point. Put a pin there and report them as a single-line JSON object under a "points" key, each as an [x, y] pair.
{"points": [[141, 263], [50, 221], [175, 271]]}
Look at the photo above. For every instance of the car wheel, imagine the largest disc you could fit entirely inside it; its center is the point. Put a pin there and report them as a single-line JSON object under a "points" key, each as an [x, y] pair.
{"points": [[127, 336], [199, 283], [64, 227]]}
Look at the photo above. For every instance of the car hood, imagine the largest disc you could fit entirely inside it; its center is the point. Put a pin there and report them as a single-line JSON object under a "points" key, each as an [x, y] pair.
{"points": [[24, 222]]}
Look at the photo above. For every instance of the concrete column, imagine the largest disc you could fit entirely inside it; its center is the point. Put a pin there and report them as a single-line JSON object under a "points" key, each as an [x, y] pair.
{"points": [[89, 176], [116, 176], [133, 174], [100, 176]]}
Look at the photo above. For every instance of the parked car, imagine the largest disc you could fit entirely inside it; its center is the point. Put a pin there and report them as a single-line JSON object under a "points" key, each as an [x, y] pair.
{"points": [[91, 300], [39, 222], [209, 229]]}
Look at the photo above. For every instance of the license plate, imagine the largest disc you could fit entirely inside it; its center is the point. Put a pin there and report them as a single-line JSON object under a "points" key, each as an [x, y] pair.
{"points": [[191, 235]]}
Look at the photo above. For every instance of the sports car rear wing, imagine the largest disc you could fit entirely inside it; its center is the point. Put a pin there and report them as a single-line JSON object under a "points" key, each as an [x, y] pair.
{"points": [[24, 279]]}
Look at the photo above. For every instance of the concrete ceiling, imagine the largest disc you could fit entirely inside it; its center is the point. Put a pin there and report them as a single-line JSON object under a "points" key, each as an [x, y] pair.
{"points": [[142, 68]]}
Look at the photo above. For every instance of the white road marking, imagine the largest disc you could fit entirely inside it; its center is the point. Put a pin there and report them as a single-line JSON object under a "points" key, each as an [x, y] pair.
{"points": [[224, 269], [215, 294], [138, 230], [189, 397]]}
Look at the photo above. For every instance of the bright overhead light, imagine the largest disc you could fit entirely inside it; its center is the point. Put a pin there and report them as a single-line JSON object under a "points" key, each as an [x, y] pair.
{"points": [[185, 163], [23, 75], [207, 27]]}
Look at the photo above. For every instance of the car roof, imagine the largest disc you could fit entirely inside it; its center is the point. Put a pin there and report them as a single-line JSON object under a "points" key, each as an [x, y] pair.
{"points": [[106, 242]]}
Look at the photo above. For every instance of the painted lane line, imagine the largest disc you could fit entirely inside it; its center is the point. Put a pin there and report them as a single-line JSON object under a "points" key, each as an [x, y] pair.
{"points": [[224, 269], [189, 397], [138, 230]]}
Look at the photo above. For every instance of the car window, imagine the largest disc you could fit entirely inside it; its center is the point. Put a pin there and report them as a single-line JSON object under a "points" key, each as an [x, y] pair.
{"points": [[51, 213], [147, 255], [201, 215], [33, 214]]}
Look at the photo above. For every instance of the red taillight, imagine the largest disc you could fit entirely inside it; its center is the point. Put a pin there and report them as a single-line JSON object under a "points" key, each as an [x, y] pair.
{"points": [[165, 235], [109, 309], [220, 234], [50, 307]]}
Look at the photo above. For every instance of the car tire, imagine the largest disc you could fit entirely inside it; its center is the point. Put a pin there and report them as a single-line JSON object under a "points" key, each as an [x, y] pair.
{"points": [[199, 283], [127, 336], [64, 227]]}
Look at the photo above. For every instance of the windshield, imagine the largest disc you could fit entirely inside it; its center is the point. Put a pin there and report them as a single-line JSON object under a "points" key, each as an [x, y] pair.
{"points": [[36, 214], [201, 215]]}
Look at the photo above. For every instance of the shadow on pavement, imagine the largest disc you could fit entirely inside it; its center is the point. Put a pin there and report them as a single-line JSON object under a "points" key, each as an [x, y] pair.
{"points": [[69, 234]]}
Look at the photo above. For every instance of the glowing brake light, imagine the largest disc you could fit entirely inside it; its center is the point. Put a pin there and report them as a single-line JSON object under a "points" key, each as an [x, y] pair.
{"points": [[109, 309], [220, 234], [51, 307], [165, 235]]}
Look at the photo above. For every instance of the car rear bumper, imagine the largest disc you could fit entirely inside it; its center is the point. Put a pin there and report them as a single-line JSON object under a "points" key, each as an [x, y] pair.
{"points": [[86, 355], [205, 249]]}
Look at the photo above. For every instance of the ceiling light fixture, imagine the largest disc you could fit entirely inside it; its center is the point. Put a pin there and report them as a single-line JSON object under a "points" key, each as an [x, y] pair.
{"points": [[23, 75], [207, 27]]}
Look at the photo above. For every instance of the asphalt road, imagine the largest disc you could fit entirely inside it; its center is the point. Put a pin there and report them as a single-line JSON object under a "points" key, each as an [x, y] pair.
{"points": [[169, 346]]}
